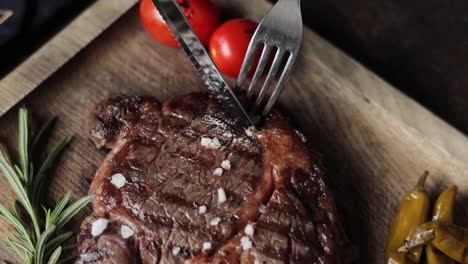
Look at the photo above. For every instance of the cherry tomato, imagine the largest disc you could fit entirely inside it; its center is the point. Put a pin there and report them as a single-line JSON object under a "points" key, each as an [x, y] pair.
{"points": [[203, 15], [229, 44]]}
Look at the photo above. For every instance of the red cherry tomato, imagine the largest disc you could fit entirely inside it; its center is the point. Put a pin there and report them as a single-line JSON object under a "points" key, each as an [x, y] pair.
{"points": [[229, 44], [203, 15]]}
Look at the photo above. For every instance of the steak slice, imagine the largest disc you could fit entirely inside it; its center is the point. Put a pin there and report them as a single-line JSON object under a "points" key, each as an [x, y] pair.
{"points": [[183, 183]]}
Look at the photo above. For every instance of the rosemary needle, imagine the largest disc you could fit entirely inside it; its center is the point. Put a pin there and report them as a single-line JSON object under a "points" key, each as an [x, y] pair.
{"points": [[37, 238]]}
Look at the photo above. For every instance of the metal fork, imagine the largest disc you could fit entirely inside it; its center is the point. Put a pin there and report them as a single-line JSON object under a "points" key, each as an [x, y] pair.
{"points": [[282, 29]]}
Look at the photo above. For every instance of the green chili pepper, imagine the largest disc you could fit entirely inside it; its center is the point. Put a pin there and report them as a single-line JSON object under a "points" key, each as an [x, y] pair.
{"points": [[414, 210]]}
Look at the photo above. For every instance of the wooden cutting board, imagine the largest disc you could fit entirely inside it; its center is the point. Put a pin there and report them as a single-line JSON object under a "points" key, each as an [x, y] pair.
{"points": [[374, 140]]}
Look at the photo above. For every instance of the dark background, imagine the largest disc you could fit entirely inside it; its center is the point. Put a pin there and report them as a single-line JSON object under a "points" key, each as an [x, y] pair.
{"points": [[33, 22], [420, 46]]}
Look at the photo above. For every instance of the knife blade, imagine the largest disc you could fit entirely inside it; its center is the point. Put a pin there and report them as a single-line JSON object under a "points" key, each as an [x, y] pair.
{"points": [[193, 48]]}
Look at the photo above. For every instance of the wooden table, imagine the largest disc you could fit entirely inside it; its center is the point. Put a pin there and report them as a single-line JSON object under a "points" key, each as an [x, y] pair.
{"points": [[375, 141]]}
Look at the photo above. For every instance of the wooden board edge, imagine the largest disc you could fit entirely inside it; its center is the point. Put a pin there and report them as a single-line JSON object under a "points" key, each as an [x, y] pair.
{"points": [[59, 50]]}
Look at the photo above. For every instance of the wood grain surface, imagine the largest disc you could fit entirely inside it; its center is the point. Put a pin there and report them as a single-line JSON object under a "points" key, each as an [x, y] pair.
{"points": [[61, 48], [374, 140]]}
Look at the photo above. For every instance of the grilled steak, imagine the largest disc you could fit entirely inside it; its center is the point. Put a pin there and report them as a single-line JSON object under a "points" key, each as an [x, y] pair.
{"points": [[183, 183]]}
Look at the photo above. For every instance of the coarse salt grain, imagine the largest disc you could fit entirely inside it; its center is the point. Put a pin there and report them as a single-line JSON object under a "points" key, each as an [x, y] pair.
{"points": [[118, 180], [215, 144], [206, 245], [215, 221], [205, 142], [126, 231], [175, 251], [249, 131], [210, 143], [202, 209], [249, 230], [98, 226], [262, 208], [247, 245], [226, 164], [221, 195], [218, 172]]}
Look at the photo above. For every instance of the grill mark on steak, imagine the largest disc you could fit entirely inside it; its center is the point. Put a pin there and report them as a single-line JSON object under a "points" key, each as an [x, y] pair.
{"points": [[169, 175]]}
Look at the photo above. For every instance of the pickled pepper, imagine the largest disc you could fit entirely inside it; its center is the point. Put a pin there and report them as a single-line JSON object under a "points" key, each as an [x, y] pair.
{"points": [[414, 210], [443, 212], [450, 239]]}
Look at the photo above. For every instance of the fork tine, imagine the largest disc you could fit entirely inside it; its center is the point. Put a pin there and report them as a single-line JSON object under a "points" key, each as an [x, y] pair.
{"points": [[260, 68], [280, 85], [270, 77], [247, 64]]}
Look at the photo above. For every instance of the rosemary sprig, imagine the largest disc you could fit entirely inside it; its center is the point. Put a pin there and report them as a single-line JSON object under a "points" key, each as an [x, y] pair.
{"points": [[37, 238]]}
